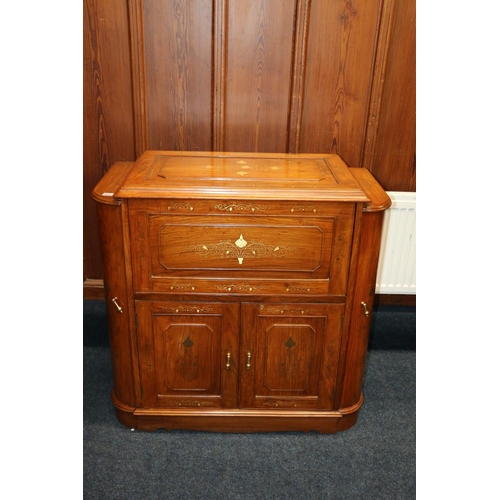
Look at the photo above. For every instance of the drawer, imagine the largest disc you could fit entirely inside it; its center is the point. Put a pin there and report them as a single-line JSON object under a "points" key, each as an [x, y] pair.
{"points": [[240, 254]]}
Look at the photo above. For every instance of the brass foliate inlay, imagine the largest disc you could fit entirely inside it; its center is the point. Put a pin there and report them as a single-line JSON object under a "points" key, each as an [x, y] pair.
{"points": [[240, 207], [283, 404], [187, 309], [303, 209], [181, 206], [290, 343], [240, 288], [284, 310], [193, 403], [240, 242], [241, 249]]}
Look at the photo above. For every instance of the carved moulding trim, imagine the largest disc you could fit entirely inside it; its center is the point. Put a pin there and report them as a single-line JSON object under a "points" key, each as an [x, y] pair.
{"points": [[355, 407]]}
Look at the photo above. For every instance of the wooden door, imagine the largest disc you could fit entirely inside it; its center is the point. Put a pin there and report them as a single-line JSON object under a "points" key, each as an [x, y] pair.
{"points": [[188, 354], [289, 355]]}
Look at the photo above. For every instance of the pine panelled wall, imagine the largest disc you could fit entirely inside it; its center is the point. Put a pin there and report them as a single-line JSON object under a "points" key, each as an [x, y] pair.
{"points": [[277, 76]]}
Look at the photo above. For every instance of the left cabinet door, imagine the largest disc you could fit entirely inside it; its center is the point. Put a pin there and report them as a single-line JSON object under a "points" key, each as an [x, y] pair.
{"points": [[188, 354]]}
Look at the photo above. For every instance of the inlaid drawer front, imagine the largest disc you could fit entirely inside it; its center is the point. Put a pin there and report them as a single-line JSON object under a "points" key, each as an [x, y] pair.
{"points": [[228, 286], [241, 207], [246, 249], [206, 244]]}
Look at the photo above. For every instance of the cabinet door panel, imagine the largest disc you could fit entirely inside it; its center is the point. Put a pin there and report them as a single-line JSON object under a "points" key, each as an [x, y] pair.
{"points": [[184, 351], [290, 355], [291, 370]]}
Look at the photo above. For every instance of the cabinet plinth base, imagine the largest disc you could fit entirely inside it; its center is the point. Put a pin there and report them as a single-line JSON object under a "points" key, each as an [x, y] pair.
{"points": [[241, 421]]}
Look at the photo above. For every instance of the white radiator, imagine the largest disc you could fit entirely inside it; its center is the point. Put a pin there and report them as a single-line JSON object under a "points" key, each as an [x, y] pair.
{"points": [[396, 267]]}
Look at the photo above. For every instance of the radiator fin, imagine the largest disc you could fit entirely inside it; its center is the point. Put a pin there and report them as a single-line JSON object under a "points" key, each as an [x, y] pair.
{"points": [[396, 272]]}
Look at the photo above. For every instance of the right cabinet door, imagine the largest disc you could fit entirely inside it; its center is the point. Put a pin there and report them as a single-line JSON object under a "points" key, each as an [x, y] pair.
{"points": [[289, 355]]}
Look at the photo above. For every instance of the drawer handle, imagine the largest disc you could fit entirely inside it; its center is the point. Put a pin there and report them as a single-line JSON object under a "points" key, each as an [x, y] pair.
{"points": [[228, 362], [366, 309], [116, 304], [249, 355]]}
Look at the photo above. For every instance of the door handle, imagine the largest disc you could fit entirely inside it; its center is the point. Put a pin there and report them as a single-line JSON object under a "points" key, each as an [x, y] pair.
{"points": [[366, 309], [116, 304]]}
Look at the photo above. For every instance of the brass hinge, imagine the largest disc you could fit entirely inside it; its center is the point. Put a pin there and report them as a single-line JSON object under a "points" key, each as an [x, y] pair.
{"points": [[136, 321]]}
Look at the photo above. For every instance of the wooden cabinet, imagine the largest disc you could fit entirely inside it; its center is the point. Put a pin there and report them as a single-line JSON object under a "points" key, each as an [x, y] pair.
{"points": [[239, 289]]}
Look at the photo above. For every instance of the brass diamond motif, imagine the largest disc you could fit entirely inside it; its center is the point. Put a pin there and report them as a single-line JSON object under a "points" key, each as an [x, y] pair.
{"points": [[188, 342]]}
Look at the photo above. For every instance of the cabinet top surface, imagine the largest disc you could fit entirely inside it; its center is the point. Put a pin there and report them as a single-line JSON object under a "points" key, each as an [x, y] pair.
{"points": [[181, 174]]}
